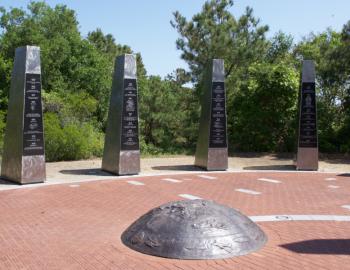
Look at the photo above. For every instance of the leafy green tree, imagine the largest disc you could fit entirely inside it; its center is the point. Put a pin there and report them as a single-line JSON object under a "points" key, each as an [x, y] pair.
{"points": [[76, 76], [216, 33], [106, 44], [280, 48], [2, 129], [263, 112], [69, 63], [342, 71], [259, 73], [261, 80], [323, 48], [162, 129]]}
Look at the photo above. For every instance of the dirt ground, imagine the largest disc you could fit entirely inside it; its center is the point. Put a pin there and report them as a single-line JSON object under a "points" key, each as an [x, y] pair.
{"points": [[89, 170], [85, 169]]}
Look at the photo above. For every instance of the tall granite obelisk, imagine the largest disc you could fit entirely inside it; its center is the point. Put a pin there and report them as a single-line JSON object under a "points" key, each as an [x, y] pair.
{"points": [[121, 150], [23, 159], [307, 156], [211, 152]]}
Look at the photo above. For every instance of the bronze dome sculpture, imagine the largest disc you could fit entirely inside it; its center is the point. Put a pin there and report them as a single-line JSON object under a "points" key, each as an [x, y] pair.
{"points": [[194, 229]]}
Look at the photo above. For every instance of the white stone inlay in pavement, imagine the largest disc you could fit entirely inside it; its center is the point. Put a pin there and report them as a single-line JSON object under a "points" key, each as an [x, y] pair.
{"points": [[189, 196], [172, 180], [299, 218], [136, 183], [74, 186], [330, 179], [269, 180], [333, 186], [206, 176], [248, 191], [346, 206]]}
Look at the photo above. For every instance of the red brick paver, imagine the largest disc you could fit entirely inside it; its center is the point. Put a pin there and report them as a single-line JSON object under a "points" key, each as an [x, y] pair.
{"points": [[64, 227]]}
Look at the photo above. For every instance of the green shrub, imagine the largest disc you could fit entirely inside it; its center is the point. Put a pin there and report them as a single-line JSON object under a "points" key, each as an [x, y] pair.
{"points": [[149, 149], [71, 142], [2, 130]]}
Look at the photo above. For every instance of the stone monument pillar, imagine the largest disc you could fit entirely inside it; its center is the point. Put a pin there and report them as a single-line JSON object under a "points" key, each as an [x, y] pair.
{"points": [[307, 156], [23, 159], [211, 152], [121, 153]]}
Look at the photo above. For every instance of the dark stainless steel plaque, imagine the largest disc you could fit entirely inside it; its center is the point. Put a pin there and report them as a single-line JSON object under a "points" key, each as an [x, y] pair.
{"points": [[308, 128], [218, 116], [129, 138], [33, 138]]}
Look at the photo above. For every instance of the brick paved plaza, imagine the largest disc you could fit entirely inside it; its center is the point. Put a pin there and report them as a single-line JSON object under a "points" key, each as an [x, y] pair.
{"points": [[305, 215]]}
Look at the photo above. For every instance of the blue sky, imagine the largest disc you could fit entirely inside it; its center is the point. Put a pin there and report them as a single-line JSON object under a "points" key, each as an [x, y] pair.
{"points": [[144, 24]]}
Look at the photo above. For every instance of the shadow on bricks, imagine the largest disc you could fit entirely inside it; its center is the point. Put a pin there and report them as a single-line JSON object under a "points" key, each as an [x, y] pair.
{"points": [[320, 246]]}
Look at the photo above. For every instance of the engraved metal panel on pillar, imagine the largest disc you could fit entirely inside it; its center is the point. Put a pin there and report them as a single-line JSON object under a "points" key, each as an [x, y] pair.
{"points": [[307, 156], [194, 229], [121, 150], [211, 150], [24, 152]]}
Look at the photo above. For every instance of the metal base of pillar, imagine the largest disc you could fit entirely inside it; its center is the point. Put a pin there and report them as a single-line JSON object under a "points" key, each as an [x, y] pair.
{"points": [[216, 160], [128, 164], [307, 159]]}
